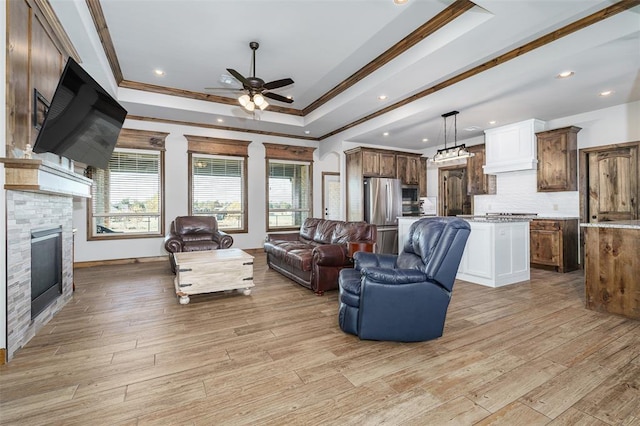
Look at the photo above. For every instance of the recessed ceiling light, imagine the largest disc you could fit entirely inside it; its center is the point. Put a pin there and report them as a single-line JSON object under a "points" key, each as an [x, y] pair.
{"points": [[400, 1], [220, 120], [565, 74], [493, 122], [158, 72], [385, 134], [606, 93], [472, 128], [382, 97], [425, 140], [306, 132]]}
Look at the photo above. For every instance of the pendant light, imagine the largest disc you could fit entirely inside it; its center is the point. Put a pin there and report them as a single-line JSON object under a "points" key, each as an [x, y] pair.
{"points": [[455, 152]]}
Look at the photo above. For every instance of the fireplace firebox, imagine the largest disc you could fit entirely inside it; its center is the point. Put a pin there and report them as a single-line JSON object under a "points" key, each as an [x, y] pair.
{"points": [[46, 268]]}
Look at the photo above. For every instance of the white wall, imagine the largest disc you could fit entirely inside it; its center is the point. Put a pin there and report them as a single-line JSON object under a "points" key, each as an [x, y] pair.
{"points": [[176, 192], [517, 191]]}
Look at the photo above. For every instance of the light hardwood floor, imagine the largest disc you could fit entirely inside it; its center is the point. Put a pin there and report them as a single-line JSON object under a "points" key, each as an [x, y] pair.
{"points": [[124, 352]]}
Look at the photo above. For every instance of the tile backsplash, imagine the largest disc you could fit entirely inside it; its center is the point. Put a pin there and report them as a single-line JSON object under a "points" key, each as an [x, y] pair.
{"points": [[517, 193]]}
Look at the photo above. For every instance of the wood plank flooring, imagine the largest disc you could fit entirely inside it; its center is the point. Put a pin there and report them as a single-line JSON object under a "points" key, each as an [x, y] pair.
{"points": [[124, 352]]}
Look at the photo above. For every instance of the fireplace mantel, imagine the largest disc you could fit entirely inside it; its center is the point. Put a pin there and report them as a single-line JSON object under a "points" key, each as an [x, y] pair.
{"points": [[40, 176]]}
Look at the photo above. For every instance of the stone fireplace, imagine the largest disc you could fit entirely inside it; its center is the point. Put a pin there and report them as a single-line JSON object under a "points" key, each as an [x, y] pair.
{"points": [[39, 198]]}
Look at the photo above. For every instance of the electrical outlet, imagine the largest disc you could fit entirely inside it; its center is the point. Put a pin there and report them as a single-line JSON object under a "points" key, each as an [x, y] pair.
{"points": [[555, 207]]}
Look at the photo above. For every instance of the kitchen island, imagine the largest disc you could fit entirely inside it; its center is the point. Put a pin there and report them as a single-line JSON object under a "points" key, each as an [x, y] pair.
{"points": [[612, 267], [497, 251]]}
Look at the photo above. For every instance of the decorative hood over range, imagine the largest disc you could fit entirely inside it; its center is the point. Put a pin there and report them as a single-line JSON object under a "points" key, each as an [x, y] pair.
{"points": [[512, 147]]}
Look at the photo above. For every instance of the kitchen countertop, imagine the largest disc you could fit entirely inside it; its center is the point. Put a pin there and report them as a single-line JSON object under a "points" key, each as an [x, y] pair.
{"points": [[495, 219], [630, 224]]}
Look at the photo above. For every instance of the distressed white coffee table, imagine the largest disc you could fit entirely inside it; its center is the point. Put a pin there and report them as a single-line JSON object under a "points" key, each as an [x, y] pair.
{"points": [[200, 272]]}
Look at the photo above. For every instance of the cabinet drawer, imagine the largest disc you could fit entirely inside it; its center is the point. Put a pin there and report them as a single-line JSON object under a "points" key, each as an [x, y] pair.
{"points": [[545, 225]]}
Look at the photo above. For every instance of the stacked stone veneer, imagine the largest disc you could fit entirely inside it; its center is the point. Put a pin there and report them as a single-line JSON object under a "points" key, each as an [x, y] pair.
{"points": [[27, 211]]}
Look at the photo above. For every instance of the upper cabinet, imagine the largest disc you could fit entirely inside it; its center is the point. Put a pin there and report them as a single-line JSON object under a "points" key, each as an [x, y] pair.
{"points": [[512, 147], [408, 167], [378, 164], [558, 159], [361, 162], [422, 179], [479, 183]]}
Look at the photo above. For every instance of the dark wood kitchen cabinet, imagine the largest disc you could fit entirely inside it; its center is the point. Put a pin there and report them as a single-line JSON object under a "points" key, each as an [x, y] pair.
{"points": [[558, 159], [554, 243], [479, 183], [408, 167], [363, 162], [378, 164], [422, 179]]}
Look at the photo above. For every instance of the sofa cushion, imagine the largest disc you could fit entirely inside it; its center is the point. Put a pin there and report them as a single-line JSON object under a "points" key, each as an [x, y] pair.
{"points": [[324, 231], [192, 237], [200, 245], [195, 225], [350, 231], [294, 253], [308, 228]]}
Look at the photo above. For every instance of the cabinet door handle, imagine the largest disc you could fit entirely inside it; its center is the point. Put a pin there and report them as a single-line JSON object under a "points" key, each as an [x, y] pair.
{"points": [[594, 217]]}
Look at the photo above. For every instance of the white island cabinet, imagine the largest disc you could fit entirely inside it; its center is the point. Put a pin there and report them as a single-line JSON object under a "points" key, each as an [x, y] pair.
{"points": [[497, 253]]}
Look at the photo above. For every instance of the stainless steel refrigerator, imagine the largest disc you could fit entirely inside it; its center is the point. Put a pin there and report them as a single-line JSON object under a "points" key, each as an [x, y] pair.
{"points": [[382, 206]]}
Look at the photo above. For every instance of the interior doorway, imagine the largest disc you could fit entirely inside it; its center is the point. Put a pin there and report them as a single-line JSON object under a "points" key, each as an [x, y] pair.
{"points": [[331, 195], [452, 183], [609, 183]]}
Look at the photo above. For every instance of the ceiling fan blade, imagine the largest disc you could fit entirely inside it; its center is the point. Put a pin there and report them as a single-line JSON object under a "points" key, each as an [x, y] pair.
{"points": [[278, 83], [228, 89], [277, 97], [239, 77]]}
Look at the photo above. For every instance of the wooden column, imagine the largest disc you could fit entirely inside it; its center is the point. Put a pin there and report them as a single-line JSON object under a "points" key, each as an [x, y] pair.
{"points": [[612, 270]]}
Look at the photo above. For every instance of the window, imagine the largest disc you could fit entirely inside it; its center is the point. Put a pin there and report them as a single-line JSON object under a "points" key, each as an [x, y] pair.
{"points": [[218, 188], [218, 181], [128, 196], [289, 186], [289, 194]]}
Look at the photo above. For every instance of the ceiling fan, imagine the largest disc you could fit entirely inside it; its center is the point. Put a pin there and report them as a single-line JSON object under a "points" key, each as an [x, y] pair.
{"points": [[256, 89]]}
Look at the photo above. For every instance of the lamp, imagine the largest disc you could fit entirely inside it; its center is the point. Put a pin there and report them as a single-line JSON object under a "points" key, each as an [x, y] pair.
{"points": [[455, 152], [250, 102]]}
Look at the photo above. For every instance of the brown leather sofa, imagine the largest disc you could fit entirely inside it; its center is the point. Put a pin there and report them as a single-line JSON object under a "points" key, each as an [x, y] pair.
{"points": [[195, 233], [314, 256]]}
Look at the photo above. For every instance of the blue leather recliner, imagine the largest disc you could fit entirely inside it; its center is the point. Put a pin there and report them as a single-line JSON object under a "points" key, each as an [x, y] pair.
{"points": [[404, 298]]}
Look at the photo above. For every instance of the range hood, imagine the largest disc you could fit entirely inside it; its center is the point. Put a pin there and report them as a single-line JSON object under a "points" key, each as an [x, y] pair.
{"points": [[512, 147]]}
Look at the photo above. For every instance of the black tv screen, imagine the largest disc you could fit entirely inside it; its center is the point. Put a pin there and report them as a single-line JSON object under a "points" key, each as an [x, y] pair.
{"points": [[83, 121]]}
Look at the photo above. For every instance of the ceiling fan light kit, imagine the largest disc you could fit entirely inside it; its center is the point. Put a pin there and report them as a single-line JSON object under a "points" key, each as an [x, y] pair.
{"points": [[256, 90], [455, 152]]}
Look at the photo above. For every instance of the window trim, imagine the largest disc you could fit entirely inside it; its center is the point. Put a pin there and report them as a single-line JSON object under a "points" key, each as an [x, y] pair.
{"points": [[94, 236], [245, 198], [135, 139], [287, 154], [223, 148]]}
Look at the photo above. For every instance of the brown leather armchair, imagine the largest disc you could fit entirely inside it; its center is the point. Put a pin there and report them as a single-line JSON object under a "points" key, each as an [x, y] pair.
{"points": [[195, 233]]}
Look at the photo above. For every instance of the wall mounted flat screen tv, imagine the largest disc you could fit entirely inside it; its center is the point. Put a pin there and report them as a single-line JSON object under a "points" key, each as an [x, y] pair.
{"points": [[83, 121]]}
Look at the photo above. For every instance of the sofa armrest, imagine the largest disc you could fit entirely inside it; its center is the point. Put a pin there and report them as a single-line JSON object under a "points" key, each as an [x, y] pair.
{"points": [[330, 255], [393, 276], [223, 239], [173, 243]]}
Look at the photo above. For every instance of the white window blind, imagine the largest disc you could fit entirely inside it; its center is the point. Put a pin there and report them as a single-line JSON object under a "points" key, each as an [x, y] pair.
{"points": [[217, 189], [289, 193], [127, 195]]}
